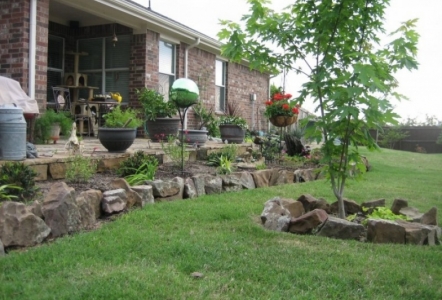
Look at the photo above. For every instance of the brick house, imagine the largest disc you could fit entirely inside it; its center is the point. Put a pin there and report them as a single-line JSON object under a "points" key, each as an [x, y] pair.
{"points": [[39, 39]]}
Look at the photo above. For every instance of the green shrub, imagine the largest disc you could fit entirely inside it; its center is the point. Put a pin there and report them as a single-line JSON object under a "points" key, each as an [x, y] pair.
{"points": [[173, 150], [261, 167], [225, 166], [132, 164], [4, 192], [17, 174], [229, 151], [80, 169]]}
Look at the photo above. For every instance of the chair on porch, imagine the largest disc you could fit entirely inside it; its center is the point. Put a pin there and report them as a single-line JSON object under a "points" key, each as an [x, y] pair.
{"points": [[62, 99]]}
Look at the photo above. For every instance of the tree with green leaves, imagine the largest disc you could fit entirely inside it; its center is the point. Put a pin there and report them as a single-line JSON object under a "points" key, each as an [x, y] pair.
{"points": [[349, 75]]}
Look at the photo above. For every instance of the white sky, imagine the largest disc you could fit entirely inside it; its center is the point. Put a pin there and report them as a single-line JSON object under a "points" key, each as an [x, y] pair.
{"points": [[420, 86]]}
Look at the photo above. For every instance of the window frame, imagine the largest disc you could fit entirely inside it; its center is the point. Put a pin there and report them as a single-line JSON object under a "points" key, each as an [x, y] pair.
{"points": [[172, 75], [222, 87]]}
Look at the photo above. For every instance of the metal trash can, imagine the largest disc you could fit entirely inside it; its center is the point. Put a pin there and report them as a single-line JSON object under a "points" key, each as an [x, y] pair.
{"points": [[12, 133]]}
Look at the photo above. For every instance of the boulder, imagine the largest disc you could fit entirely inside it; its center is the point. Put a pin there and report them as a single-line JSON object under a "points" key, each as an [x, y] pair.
{"points": [[430, 217], [189, 189], [35, 208], [415, 233], [397, 205], [341, 229], [284, 177], [114, 201], [246, 180], [265, 178], [321, 204], [177, 181], [163, 189], [412, 213], [87, 212], [274, 216], [384, 231], [213, 184], [199, 183], [308, 222], [374, 203], [307, 201], [133, 198], [351, 207], [93, 197], [295, 208], [146, 194], [2, 249], [304, 175], [231, 183], [19, 227], [60, 210]]}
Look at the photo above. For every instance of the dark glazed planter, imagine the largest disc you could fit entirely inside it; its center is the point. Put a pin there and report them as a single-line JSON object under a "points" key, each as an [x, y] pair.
{"points": [[161, 128], [198, 137], [116, 139], [232, 133]]}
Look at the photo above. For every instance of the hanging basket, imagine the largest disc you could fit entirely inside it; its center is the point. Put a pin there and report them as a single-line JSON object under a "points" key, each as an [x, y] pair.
{"points": [[283, 121]]}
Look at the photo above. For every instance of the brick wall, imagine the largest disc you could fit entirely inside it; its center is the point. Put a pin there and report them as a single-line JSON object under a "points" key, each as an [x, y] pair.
{"points": [[14, 43]]}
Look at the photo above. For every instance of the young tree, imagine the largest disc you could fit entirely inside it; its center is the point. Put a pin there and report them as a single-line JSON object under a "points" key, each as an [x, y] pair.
{"points": [[349, 75]]}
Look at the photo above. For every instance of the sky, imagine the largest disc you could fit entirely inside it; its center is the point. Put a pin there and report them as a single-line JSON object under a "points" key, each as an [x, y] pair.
{"points": [[420, 86]]}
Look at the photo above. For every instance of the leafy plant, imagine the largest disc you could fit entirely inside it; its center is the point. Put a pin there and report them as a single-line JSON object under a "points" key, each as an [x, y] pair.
{"points": [[233, 120], [43, 124], [17, 174], [119, 117], [154, 104], [391, 135], [205, 115], [132, 163], [144, 172], [384, 214], [229, 152], [225, 166], [261, 166], [80, 169], [350, 77], [173, 150], [5, 194]]}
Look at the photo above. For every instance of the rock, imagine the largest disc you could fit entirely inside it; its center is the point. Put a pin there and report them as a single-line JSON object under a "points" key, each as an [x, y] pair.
{"points": [[430, 217], [321, 204], [197, 275], [246, 180], [341, 229], [146, 194], [199, 183], [93, 197], [384, 231], [415, 233], [374, 203], [305, 175], [87, 212], [283, 177], [412, 213], [133, 198], [274, 216], [231, 183], [213, 184], [2, 249], [265, 178], [114, 201], [35, 208], [307, 201], [18, 227], [176, 181], [397, 205], [189, 189], [60, 210], [351, 207], [307, 222], [295, 208], [163, 189]]}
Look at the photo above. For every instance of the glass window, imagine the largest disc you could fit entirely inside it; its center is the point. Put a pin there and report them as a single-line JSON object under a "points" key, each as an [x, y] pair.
{"points": [[220, 93], [106, 65], [166, 68], [55, 65]]}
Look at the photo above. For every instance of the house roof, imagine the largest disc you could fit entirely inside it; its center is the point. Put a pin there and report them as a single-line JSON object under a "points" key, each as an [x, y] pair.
{"points": [[130, 14]]}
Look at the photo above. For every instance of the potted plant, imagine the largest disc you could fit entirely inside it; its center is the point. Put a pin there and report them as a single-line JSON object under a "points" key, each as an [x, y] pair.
{"points": [[280, 110], [232, 126], [207, 120], [50, 124], [159, 114], [120, 129]]}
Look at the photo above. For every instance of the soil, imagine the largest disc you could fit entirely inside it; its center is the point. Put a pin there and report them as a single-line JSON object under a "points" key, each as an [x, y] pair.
{"points": [[101, 181]]}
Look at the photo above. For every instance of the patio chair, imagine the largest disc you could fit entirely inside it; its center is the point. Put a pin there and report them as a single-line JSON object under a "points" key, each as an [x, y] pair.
{"points": [[62, 99]]}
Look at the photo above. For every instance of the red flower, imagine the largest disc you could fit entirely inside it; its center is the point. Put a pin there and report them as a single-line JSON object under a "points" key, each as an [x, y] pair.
{"points": [[288, 96], [285, 106], [295, 110], [267, 103]]}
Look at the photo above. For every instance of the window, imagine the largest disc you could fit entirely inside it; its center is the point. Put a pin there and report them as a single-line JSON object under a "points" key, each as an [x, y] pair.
{"points": [[55, 64], [166, 68], [106, 65], [220, 79]]}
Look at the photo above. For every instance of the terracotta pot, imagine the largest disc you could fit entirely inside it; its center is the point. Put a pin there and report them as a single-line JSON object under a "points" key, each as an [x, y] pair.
{"points": [[283, 121]]}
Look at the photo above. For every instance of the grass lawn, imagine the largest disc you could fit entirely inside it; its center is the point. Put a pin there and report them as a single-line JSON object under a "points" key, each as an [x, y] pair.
{"points": [[151, 252]]}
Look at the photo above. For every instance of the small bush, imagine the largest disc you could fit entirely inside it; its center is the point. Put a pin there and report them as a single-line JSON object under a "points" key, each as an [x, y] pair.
{"points": [[133, 163], [14, 174], [80, 169], [173, 150], [229, 151], [225, 166]]}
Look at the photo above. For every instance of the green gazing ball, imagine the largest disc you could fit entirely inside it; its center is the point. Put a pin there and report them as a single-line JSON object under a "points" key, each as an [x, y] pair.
{"points": [[184, 92]]}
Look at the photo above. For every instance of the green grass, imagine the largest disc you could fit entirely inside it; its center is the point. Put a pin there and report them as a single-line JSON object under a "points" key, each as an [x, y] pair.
{"points": [[150, 253]]}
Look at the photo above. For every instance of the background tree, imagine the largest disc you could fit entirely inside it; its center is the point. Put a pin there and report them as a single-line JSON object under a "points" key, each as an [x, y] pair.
{"points": [[348, 74]]}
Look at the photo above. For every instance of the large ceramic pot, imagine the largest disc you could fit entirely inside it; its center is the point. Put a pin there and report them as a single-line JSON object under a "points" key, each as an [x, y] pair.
{"points": [[283, 121], [232, 133], [198, 137], [161, 128], [116, 139]]}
